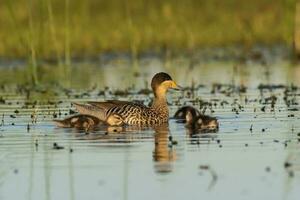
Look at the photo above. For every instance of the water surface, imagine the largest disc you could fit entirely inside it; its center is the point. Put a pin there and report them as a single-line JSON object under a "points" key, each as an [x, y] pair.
{"points": [[237, 162]]}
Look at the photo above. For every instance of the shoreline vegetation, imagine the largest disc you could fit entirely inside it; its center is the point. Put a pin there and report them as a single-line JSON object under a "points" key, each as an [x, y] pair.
{"points": [[59, 30]]}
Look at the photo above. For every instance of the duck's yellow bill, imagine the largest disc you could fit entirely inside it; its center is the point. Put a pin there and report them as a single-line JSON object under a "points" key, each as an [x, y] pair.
{"points": [[175, 86]]}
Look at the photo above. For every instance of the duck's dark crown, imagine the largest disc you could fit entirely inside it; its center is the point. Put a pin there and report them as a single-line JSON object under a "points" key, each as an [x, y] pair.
{"points": [[160, 78]]}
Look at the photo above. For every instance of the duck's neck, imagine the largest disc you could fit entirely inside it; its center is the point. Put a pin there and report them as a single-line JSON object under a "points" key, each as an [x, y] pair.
{"points": [[160, 103]]}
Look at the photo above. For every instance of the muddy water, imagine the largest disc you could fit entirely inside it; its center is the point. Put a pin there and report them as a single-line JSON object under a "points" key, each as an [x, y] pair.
{"points": [[255, 154]]}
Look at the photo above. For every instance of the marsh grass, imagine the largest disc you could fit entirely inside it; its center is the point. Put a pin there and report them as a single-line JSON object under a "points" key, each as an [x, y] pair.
{"points": [[133, 38], [86, 28], [32, 46], [67, 33], [53, 33], [67, 64]]}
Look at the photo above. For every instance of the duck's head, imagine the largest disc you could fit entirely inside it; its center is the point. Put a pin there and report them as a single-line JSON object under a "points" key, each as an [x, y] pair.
{"points": [[161, 82]]}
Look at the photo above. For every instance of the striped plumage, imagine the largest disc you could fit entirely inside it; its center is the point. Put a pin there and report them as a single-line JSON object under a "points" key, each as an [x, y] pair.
{"points": [[134, 113]]}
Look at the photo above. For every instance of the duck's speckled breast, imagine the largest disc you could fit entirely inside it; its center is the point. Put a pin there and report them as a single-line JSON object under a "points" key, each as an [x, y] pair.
{"points": [[146, 116]]}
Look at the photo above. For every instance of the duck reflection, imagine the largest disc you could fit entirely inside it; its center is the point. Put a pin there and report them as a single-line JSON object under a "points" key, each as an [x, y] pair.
{"points": [[111, 134], [197, 138], [164, 154]]}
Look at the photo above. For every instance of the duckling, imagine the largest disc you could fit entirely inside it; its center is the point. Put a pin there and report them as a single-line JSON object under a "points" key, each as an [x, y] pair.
{"points": [[88, 122], [195, 120], [78, 121], [135, 113]]}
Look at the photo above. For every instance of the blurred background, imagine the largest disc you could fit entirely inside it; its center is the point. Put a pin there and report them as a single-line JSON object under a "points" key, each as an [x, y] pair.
{"points": [[87, 28], [236, 59], [36, 33]]}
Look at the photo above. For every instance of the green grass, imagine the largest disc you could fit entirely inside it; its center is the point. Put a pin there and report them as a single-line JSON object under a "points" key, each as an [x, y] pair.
{"points": [[77, 28]]}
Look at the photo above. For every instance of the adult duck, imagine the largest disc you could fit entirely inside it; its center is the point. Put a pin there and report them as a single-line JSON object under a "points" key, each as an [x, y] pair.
{"points": [[135, 113]]}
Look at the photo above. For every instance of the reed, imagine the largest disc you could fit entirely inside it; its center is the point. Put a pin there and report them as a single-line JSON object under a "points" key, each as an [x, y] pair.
{"points": [[132, 36], [15, 25], [31, 44], [67, 52], [67, 33], [53, 31]]}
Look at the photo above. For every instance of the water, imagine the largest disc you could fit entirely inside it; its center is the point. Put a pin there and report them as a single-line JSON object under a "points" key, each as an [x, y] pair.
{"points": [[234, 163]]}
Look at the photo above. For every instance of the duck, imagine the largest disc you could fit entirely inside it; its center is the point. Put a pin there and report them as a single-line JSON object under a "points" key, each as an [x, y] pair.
{"points": [[133, 113], [195, 120], [87, 122]]}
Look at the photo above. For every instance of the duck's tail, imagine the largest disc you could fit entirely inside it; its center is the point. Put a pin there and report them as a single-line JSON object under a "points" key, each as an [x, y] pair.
{"points": [[87, 109]]}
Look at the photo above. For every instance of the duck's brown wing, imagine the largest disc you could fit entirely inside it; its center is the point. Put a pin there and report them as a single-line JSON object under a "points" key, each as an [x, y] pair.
{"points": [[89, 109], [108, 104], [104, 109]]}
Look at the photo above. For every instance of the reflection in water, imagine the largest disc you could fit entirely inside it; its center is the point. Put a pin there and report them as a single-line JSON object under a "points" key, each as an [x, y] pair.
{"points": [[252, 140], [201, 138], [213, 174], [163, 153], [292, 168], [198, 137]]}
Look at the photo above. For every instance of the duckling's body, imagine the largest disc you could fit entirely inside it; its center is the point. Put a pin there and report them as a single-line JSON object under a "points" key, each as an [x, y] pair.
{"points": [[135, 113], [78, 121], [204, 123], [87, 122], [195, 120]]}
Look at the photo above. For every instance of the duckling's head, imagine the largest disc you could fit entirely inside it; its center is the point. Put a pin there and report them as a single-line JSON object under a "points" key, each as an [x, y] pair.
{"points": [[186, 113], [161, 82]]}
